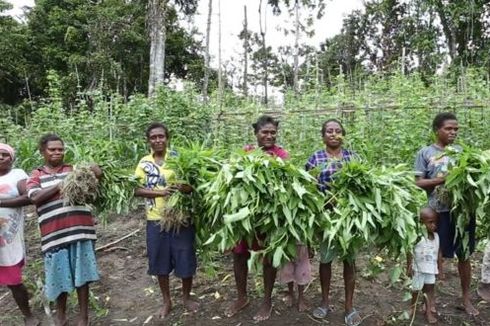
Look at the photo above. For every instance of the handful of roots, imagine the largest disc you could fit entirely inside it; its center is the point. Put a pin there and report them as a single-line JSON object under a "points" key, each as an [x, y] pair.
{"points": [[174, 215], [79, 187]]}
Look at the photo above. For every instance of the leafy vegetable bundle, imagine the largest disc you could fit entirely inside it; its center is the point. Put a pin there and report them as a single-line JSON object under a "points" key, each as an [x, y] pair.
{"points": [[372, 206], [468, 186], [255, 197], [116, 190], [194, 165]]}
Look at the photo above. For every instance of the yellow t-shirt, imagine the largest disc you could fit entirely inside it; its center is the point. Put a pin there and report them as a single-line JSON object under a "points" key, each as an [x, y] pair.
{"points": [[154, 177]]}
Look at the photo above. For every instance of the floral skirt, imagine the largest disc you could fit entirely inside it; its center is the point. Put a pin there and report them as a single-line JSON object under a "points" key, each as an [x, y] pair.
{"points": [[69, 268]]}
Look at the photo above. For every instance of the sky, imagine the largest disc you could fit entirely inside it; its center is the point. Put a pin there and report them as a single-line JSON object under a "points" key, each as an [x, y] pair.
{"points": [[232, 24]]}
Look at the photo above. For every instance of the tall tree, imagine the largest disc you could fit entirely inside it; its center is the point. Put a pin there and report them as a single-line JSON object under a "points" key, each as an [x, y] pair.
{"points": [[265, 63], [206, 54], [157, 16], [158, 34], [245, 35]]}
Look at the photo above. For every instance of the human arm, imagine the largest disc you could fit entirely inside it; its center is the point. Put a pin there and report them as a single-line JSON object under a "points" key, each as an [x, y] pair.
{"points": [[428, 184], [39, 195], [42, 195], [154, 193], [19, 201], [422, 171]]}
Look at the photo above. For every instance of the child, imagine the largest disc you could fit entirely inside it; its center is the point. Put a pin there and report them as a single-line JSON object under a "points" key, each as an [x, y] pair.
{"points": [[297, 271], [484, 286], [425, 267]]}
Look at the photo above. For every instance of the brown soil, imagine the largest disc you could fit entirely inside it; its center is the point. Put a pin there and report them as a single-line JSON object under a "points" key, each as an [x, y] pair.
{"points": [[126, 295]]}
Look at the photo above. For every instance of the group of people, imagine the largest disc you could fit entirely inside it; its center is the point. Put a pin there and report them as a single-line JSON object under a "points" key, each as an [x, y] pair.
{"points": [[68, 232]]}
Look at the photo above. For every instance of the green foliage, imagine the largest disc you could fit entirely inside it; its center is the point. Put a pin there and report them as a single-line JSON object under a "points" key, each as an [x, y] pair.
{"points": [[372, 206], [262, 199], [468, 185], [101, 45], [194, 165]]}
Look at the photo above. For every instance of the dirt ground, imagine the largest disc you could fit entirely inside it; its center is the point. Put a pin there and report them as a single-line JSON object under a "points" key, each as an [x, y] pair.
{"points": [[126, 295]]}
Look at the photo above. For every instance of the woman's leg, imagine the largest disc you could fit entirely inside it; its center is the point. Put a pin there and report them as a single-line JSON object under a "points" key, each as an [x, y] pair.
{"points": [[325, 279], [21, 297], [269, 273], [165, 290], [83, 294], [61, 319]]}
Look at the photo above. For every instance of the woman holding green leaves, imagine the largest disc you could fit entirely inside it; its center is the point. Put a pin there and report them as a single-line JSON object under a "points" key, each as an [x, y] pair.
{"points": [[172, 250], [265, 132], [330, 160]]}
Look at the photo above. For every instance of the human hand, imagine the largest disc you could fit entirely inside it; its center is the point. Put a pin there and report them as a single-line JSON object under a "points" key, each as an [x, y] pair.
{"points": [[169, 190], [96, 170], [184, 188]]}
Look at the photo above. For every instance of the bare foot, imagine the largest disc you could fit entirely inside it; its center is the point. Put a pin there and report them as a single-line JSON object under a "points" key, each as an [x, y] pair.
{"points": [[470, 309], [165, 310], [191, 305], [431, 319], [484, 291], [303, 305], [288, 299], [236, 306], [264, 312], [31, 321], [432, 309]]}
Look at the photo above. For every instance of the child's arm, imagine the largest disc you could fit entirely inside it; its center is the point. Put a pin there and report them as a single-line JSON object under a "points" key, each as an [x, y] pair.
{"points": [[439, 261]]}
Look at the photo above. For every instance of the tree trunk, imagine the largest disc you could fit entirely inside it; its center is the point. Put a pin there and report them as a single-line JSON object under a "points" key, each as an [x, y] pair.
{"points": [[220, 70], [158, 33], [296, 51], [263, 30], [245, 52], [206, 57], [448, 29]]}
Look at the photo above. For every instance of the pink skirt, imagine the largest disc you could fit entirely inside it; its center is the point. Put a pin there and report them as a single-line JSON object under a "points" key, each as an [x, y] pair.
{"points": [[297, 271], [11, 275]]}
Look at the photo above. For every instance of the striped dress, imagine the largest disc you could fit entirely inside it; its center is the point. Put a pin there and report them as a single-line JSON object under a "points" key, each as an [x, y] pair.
{"points": [[67, 237], [60, 225]]}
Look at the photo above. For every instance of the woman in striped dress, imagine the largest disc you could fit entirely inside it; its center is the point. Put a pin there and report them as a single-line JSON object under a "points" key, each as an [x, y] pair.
{"points": [[67, 232]]}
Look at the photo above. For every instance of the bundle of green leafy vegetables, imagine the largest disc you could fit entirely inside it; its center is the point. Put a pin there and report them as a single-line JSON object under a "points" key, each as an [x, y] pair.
{"points": [[468, 187], [194, 165], [372, 206], [263, 199]]}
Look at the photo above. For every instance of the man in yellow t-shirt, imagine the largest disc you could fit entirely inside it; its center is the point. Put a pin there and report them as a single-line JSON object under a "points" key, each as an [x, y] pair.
{"points": [[171, 251]]}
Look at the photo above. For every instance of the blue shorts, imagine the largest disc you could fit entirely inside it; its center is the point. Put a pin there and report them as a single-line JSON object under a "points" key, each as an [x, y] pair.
{"points": [[170, 251], [450, 244]]}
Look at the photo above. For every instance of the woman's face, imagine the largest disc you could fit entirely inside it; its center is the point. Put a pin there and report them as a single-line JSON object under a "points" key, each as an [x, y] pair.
{"points": [[333, 135], [448, 132], [266, 136], [54, 153], [5, 160], [157, 138]]}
